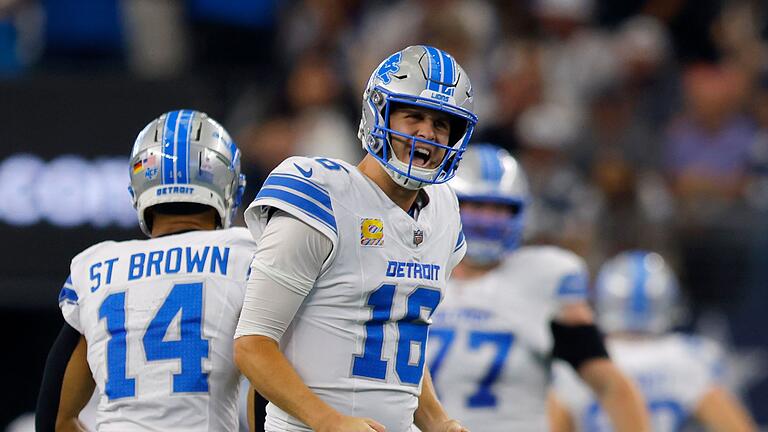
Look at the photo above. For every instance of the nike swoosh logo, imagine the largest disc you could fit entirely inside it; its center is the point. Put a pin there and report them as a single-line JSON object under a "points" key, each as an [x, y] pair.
{"points": [[305, 173]]}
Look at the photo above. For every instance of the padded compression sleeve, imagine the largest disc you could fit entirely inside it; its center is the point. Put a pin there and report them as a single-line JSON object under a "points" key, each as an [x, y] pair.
{"points": [[53, 377], [288, 260], [576, 344]]}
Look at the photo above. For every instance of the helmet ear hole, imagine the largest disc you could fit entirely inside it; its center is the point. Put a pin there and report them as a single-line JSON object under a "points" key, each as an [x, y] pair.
{"points": [[149, 217], [458, 129]]}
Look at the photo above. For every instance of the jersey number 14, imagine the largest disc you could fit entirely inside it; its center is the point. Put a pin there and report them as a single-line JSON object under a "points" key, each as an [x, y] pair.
{"points": [[191, 348]]}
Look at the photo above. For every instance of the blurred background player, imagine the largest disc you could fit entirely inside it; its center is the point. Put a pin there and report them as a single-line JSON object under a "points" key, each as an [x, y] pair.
{"points": [[661, 142], [353, 260], [510, 309], [149, 323], [637, 303]]}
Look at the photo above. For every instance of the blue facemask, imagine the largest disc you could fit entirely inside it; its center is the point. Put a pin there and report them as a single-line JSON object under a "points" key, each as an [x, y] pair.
{"points": [[490, 237]]}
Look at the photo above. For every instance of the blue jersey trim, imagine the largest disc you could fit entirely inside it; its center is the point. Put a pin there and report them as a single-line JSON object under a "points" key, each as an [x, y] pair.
{"points": [[573, 285], [306, 187], [308, 207], [67, 294], [460, 241]]}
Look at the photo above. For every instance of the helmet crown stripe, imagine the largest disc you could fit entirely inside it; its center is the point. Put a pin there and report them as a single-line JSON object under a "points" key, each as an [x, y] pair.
{"points": [[169, 149], [639, 299]]}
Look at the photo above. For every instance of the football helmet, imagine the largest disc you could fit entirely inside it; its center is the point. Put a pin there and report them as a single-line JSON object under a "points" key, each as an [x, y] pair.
{"points": [[637, 292], [185, 157], [489, 174], [419, 76]]}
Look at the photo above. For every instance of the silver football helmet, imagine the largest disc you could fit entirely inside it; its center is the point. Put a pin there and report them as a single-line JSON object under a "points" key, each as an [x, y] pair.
{"points": [[422, 76], [637, 292], [489, 174], [185, 156]]}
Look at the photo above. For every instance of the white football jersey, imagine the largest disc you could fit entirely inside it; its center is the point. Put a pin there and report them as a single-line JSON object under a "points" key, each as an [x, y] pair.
{"points": [[159, 316], [673, 372], [490, 345], [358, 340]]}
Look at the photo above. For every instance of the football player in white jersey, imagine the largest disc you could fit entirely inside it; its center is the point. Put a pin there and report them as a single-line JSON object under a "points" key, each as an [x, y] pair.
{"points": [[150, 323], [353, 260], [637, 304], [510, 309]]}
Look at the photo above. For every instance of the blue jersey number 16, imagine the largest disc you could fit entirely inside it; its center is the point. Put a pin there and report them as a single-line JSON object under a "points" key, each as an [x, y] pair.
{"points": [[191, 348], [411, 329]]}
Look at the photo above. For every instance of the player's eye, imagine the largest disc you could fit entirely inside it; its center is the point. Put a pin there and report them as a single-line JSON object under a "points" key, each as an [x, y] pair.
{"points": [[414, 115], [441, 124]]}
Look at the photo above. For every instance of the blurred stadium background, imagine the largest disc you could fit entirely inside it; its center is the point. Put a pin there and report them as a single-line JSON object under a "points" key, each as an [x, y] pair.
{"points": [[641, 123]]}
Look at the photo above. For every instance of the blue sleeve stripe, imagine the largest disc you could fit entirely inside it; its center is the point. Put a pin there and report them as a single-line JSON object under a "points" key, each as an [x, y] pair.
{"points": [[460, 241], [305, 205], [573, 285], [67, 294], [69, 280], [305, 187]]}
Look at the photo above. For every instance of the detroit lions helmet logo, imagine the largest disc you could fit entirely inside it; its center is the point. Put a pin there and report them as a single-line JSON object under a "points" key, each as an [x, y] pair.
{"points": [[389, 67]]}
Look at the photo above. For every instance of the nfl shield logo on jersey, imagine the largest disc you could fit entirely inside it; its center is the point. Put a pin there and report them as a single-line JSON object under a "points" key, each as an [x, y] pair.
{"points": [[371, 232], [418, 236]]}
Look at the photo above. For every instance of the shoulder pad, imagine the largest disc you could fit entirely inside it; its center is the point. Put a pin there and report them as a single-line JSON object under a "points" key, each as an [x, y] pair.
{"points": [[93, 250], [236, 236], [553, 258], [568, 271], [302, 187], [702, 347]]}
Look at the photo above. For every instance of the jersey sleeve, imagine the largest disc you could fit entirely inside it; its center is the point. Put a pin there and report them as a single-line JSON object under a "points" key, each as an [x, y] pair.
{"points": [[287, 263], [301, 187], [69, 303], [460, 248], [703, 365], [572, 284], [75, 290]]}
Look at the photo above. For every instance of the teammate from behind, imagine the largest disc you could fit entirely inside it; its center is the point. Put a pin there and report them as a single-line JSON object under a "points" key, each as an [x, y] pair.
{"points": [[510, 309], [150, 322], [637, 302], [353, 260]]}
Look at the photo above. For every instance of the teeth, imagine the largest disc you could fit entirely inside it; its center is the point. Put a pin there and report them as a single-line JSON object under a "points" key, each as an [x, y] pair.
{"points": [[422, 152]]}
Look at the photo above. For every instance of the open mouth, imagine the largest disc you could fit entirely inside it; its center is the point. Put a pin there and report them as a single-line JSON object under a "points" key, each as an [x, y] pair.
{"points": [[421, 157]]}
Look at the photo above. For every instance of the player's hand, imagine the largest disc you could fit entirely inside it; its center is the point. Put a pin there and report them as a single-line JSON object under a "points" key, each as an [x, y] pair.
{"points": [[451, 426], [342, 423]]}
